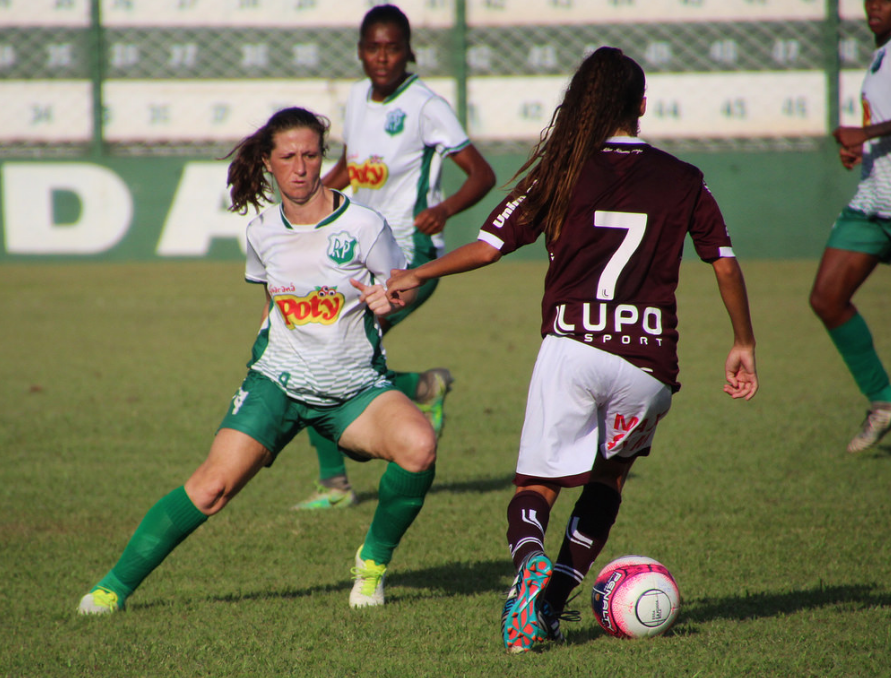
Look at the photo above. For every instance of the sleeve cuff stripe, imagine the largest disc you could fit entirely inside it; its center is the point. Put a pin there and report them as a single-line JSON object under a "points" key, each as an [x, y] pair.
{"points": [[494, 241]]}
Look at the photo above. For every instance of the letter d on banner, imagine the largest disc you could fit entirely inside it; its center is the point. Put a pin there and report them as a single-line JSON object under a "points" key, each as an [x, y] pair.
{"points": [[29, 228]]}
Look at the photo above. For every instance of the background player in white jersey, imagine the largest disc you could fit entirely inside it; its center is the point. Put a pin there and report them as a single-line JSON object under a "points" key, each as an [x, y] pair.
{"points": [[861, 236], [317, 361], [615, 213], [396, 133]]}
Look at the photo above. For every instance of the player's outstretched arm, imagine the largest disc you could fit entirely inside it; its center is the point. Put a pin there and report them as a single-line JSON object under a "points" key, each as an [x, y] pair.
{"points": [[739, 368], [466, 258], [857, 136]]}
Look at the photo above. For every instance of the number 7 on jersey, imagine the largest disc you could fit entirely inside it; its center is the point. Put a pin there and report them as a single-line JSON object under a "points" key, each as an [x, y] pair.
{"points": [[634, 223]]}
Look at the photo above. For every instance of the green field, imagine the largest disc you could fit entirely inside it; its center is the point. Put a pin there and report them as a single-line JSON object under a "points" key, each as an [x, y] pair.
{"points": [[114, 377]]}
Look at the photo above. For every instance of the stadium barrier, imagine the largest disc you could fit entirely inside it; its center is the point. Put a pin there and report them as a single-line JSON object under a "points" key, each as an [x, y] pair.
{"points": [[116, 112]]}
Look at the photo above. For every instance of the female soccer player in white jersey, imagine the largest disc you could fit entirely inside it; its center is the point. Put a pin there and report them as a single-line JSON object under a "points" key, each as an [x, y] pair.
{"points": [[861, 236], [614, 212], [317, 361], [396, 133]]}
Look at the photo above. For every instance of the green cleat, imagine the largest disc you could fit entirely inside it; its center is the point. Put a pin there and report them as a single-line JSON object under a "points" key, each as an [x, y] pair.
{"points": [[439, 383], [100, 601], [327, 498]]}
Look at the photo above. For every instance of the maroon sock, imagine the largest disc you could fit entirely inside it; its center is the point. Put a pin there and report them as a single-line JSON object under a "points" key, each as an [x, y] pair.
{"points": [[586, 533], [527, 522]]}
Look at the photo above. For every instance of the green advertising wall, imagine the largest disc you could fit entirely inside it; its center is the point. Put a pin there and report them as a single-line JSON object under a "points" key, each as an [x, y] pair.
{"points": [[778, 205]]}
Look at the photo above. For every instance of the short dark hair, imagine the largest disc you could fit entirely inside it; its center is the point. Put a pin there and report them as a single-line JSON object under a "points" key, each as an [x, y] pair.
{"points": [[386, 14]]}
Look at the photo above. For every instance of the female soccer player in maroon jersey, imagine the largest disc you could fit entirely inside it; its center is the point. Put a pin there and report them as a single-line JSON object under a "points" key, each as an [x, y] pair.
{"points": [[614, 212]]}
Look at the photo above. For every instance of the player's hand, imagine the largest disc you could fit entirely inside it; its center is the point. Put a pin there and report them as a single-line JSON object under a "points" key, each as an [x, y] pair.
{"points": [[850, 137], [432, 220], [850, 156], [401, 280], [375, 296], [739, 370]]}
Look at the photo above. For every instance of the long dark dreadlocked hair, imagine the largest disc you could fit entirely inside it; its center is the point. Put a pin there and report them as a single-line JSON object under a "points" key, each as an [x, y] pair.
{"points": [[247, 172], [603, 97]]}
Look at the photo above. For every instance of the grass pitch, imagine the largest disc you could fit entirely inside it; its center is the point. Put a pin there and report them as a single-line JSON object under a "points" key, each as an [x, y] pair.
{"points": [[114, 378]]}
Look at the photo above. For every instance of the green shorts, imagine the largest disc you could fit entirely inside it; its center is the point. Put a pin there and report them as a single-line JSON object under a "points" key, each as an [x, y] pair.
{"points": [[262, 410], [856, 231]]}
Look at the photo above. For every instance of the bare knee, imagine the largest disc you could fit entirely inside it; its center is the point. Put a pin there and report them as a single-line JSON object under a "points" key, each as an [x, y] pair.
{"points": [[822, 306], [829, 308], [208, 492], [416, 450]]}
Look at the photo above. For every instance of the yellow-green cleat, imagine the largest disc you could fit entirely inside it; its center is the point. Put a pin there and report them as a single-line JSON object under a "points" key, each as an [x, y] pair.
{"points": [[100, 601], [327, 498], [438, 382], [368, 584]]}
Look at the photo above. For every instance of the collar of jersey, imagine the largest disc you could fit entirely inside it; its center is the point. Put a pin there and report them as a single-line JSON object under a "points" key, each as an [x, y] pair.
{"points": [[324, 222], [625, 140], [399, 90]]}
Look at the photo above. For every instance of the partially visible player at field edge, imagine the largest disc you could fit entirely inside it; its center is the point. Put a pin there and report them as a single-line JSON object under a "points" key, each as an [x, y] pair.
{"points": [[396, 133], [861, 236], [614, 212], [317, 360]]}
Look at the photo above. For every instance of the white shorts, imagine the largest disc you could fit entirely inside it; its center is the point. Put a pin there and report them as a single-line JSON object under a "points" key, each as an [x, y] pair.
{"points": [[582, 400]]}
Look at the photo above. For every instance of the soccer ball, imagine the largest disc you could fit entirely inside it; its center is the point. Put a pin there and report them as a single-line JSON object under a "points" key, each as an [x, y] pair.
{"points": [[635, 597]]}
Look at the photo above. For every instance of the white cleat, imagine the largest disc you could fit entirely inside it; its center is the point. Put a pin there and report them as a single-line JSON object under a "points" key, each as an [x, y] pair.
{"points": [[368, 587]]}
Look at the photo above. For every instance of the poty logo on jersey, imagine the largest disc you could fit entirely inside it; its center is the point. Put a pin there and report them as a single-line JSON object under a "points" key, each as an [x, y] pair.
{"points": [[341, 247], [372, 173], [395, 122], [323, 305]]}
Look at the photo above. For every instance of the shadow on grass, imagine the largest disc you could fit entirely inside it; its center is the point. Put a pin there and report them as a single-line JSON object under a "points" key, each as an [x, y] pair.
{"points": [[752, 606], [759, 605], [882, 451], [454, 579], [476, 486]]}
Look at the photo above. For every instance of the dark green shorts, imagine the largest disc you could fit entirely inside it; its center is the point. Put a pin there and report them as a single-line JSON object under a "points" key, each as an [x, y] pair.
{"points": [[856, 231], [262, 410]]}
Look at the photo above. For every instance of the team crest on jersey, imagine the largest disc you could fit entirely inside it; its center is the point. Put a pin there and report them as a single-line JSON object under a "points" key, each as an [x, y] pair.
{"points": [[395, 122], [341, 248], [323, 305]]}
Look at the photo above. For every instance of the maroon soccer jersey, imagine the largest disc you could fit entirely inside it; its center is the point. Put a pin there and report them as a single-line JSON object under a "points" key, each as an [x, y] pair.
{"points": [[614, 269]]}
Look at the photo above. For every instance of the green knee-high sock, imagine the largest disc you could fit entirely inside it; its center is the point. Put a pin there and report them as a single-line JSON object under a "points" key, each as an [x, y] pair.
{"points": [[331, 461], [406, 382], [165, 525], [854, 341], [401, 496]]}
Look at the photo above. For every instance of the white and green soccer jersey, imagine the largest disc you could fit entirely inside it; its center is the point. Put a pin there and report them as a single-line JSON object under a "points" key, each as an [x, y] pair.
{"points": [[874, 191], [320, 343], [394, 156]]}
